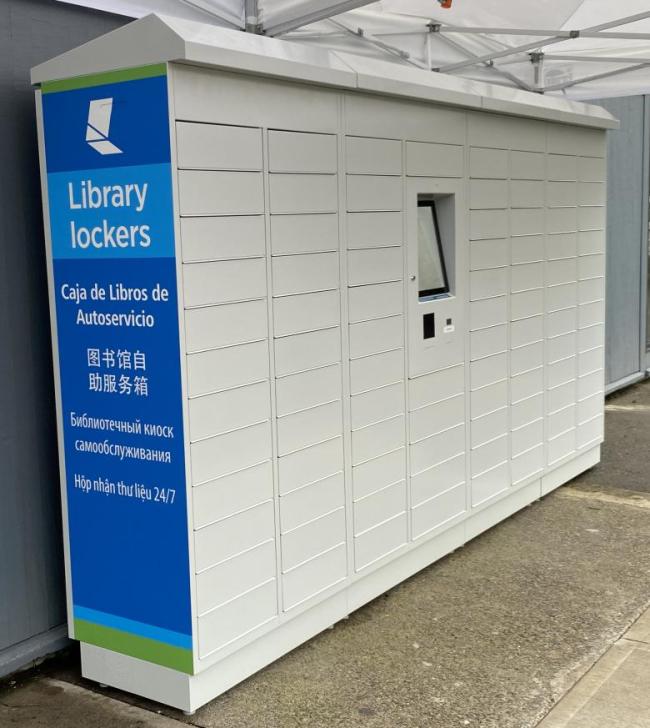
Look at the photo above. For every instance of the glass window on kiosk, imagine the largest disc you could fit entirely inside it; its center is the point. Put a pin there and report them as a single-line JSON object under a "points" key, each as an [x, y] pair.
{"points": [[432, 272]]}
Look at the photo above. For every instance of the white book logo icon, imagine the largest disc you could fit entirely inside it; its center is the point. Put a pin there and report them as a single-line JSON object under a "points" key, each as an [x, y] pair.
{"points": [[99, 122]]}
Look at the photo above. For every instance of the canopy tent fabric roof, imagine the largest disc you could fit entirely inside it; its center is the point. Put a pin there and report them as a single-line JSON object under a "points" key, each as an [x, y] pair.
{"points": [[578, 48]]}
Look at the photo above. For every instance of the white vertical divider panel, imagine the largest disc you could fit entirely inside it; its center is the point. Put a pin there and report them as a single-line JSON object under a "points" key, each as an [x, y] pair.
{"points": [[272, 373], [508, 313], [345, 338], [407, 389], [544, 347], [467, 366], [183, 365]]}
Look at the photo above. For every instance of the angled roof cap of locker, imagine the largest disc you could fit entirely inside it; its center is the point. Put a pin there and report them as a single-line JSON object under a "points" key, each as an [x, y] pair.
{"points": [[157, 39]]}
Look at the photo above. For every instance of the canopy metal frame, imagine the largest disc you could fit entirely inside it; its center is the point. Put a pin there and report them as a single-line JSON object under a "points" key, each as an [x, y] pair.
{"points": [[289, 23], [204, 6], [374, 41], [259, 16], [532, 49]]}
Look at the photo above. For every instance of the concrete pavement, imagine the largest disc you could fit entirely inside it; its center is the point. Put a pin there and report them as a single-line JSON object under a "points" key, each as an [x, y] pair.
{"points": [[47, 702], [494, 635], [615, 693]]}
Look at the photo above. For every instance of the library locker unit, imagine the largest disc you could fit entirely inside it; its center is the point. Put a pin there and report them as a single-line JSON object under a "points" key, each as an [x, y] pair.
{"points": [[385, 336]]}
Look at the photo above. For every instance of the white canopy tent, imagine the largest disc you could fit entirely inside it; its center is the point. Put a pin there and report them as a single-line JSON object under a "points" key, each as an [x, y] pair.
{"points": [[581, 48]]}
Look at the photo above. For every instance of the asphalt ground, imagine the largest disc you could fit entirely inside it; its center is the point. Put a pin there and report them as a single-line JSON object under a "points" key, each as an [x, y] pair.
{"points": [[626, 454]]}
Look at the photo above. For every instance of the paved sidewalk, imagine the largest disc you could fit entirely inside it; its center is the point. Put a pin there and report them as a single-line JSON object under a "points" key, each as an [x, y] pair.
{"points": [[615, 693]]}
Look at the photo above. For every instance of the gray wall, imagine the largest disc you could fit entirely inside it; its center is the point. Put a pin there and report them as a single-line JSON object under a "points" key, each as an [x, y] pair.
{"points": [[626, 239], [32, 607]]}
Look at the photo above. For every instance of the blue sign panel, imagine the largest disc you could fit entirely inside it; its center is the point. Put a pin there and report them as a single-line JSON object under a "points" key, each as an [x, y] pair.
{"points": [[112, 239]]}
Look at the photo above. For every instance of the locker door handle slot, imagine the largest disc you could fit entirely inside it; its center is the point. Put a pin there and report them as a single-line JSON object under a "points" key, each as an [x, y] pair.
{"points": [[429, 325]]}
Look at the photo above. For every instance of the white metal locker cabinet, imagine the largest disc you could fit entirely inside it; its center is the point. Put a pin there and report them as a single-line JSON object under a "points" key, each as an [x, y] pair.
{"points": [[390, 323]]}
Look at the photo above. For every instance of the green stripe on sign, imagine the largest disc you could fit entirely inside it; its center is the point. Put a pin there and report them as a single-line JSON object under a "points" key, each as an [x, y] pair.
{"points": [[177, 658], [99, 79]]}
